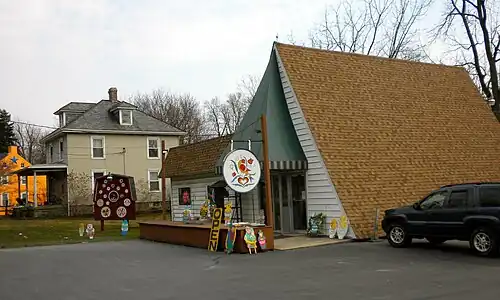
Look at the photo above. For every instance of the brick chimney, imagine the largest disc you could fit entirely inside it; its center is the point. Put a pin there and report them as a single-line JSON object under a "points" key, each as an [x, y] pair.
{"points": [[13, 150], [113, 94]]}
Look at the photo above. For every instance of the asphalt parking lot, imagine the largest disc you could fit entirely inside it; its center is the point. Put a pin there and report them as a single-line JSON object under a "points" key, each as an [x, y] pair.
{"points": [[145, 270]]}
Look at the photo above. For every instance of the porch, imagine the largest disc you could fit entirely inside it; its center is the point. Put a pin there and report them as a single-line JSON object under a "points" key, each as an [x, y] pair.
{"points": [[54, 197]]}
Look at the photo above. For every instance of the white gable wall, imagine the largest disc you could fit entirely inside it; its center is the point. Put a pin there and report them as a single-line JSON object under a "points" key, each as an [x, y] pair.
{"points": [[321, 194]]}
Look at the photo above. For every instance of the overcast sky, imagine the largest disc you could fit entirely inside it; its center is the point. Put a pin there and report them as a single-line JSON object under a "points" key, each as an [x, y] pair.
{"points": [[54, 52]]}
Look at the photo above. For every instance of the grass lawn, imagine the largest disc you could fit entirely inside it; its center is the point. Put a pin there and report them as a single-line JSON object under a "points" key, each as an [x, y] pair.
{"points": [[37, 232]]}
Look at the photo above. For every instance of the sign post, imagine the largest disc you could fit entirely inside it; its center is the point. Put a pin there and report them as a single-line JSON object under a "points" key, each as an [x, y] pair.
{"points": [[214, 231]]}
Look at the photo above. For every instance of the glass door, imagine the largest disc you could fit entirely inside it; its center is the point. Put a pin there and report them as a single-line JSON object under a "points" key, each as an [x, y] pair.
{"points": [[298, 186]]}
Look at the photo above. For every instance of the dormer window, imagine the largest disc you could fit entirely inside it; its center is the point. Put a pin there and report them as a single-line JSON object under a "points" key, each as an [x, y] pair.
{"points": [[125, 117], [62, 119]]}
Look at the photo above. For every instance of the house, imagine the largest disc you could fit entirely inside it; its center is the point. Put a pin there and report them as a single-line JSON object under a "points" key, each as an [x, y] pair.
{"points": [[13, 187], [351, 135], [109, 136]]}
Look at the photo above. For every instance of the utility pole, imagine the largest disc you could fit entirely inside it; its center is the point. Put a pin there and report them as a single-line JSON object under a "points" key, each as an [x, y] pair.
{"points": [[163, 181], [267, 172]]}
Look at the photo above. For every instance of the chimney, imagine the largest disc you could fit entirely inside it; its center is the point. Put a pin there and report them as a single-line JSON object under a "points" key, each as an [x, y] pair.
{"points": [[113, 94], [13, 150]]}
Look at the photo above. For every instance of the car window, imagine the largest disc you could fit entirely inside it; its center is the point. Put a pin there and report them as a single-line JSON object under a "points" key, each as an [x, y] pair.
{"points": [[458, 199], [489, 196], [434, 201]]}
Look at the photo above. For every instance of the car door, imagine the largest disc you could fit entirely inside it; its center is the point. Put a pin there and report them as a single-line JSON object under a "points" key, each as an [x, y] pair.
{"points": [[449, 221], [419, 218]]}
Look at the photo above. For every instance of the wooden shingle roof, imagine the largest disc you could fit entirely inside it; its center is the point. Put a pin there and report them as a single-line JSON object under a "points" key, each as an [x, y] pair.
{"points": [[390, 131], [195, 160]]}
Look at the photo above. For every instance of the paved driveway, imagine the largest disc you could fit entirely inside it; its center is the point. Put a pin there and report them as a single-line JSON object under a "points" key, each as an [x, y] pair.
{"points": [[145, 270]]}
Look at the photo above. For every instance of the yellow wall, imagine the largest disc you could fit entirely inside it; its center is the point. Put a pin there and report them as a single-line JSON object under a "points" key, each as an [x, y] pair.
{"points": [[12, 162]]}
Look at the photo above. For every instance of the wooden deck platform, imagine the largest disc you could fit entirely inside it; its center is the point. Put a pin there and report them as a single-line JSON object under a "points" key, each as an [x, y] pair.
{"points": [[197, 235]]}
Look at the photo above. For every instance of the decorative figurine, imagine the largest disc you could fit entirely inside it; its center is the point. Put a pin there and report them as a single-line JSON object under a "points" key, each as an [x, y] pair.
{"points": [[250, 239], [204, 210], [90, 231], [186, 215], [230, 238], [333, 229], [81, 229], [228, 211], [262, 240], [124, 227]]}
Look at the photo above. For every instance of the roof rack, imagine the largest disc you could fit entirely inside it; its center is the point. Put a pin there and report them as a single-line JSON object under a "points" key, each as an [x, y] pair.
{"points": [[471, 183]]}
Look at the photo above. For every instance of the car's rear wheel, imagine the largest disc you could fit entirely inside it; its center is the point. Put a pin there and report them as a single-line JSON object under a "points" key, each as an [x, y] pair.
{"points": [[397, 236], [484, 242], [435, 240]]}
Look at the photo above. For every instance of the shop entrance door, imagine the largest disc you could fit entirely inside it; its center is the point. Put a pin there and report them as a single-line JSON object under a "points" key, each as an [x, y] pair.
{"points": [[289, 203]]}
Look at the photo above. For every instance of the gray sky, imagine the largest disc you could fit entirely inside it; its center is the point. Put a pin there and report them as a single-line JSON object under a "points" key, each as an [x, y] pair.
{"points": [[54, 52]]}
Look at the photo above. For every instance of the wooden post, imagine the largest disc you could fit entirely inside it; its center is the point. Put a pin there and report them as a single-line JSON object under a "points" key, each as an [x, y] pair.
{"points": [[102, 225], [163, 182], [267, 173]]}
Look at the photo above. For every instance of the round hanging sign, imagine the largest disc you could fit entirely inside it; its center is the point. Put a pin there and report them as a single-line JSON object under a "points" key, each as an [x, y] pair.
{"points": [[241, 170]]}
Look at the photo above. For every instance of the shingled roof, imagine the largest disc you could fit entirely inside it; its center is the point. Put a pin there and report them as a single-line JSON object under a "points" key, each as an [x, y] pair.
{"points": [[196, 159], [99, 117], [390, 131]]}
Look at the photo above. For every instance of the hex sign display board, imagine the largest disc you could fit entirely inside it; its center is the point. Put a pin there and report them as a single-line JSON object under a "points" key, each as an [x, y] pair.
{"points": [[114, 197]]}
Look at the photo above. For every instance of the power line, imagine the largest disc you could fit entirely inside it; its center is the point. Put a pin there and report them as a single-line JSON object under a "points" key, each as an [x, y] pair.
{"points": [[34, 125]]}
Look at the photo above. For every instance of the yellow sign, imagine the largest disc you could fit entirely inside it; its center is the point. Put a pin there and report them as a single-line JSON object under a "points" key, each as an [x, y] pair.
{"points": [[213, 240], [343, 222], [333, 224]]}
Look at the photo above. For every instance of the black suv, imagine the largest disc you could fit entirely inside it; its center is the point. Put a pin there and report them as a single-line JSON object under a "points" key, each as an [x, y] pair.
{"points": [[466, 212]]}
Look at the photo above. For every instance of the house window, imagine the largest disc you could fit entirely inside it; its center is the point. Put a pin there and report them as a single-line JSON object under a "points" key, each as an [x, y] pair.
{"points": [[23, 179], [61, 149], [22, 165], [51, 153], [153, 147], [125, 117], [96, 174], [62, 120], [5, 199], [97, 147], [185, 196], [24, 197], [153, 180], [4, 179]]}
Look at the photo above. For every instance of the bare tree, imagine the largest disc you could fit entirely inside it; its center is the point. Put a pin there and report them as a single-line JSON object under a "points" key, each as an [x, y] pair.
{"points": [[473, 29], [179, 110], [28, 139], [214, 117], [247, 87], [373, 27], [234, 110], [79, 192]]}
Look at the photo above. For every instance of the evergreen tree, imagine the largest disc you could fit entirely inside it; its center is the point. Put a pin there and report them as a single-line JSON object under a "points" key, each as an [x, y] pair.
{"points": [[7, 135]]}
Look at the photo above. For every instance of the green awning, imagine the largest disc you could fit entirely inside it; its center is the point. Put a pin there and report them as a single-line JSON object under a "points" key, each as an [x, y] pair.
{"points": [[285, 152]]}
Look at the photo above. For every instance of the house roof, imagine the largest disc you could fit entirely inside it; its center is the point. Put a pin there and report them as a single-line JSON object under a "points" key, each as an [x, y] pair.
{"points": [[76, 106], [390, 131], [99, 118], [196, 159], [2, 155]]}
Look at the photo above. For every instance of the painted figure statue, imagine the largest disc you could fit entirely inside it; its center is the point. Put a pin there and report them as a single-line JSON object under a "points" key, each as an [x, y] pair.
{"points": [[81, 229], [250, 239], [124, 229], [90, 231], [204, 210], [228, 211], [186, 215], [231, 237], [262, 240]]}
